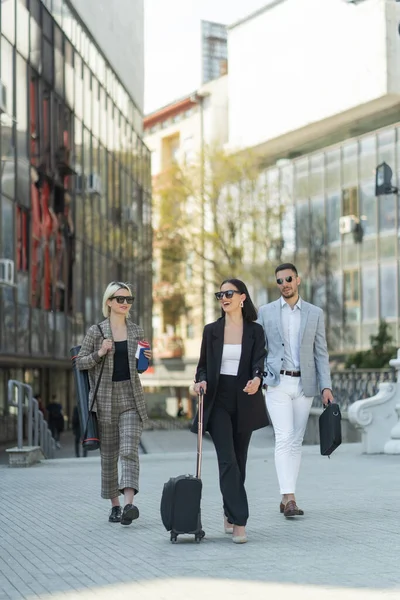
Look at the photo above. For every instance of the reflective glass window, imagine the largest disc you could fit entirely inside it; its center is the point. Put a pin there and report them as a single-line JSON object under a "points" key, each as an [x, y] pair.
{"points": [[87, 153], [8, 20], [388, 291], [387, 212], [302, 225], [69, 74], [301, 189], [58, 62], [22, 28], [386, 147], [96, 108], [349, 164], [78, 139], [7, 308], [316, 180], [333, 216], [7, 123], [368, 160], [78, 86], [57, 11], [22, 115], [23, 329], [35, 44], [103, 116], [317, 214], [332, 169], [48, 61], [88, 288], [67, 19], [47, 25], [396, 171], [369, 293], [7, 228], [87, 97], [368, 207], [101, 69], [110, 124]]}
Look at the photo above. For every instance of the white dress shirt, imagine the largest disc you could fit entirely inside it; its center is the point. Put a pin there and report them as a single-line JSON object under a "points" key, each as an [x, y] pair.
{"points": [[291, 321]]}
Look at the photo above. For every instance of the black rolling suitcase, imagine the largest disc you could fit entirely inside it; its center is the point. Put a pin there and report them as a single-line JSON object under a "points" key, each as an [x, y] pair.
{"points": [[181, 497]]}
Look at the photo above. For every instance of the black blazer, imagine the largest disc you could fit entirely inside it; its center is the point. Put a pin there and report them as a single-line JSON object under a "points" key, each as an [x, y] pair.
{"points": [[252, 413]]}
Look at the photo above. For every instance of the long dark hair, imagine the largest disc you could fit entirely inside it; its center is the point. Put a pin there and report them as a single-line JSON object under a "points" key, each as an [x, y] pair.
{"points": [[249, 310]]}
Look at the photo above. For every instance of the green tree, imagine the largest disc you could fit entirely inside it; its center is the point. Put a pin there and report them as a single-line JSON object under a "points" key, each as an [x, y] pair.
{"points": [[381, 351], [230, 195]]}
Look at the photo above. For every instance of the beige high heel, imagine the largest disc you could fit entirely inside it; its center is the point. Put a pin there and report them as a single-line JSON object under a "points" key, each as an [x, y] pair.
{"points": [[239, 539], [228, 527]]}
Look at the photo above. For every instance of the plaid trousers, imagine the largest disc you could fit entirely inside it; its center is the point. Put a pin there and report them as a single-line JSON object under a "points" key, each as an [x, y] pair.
{"points": [[120, 440]]}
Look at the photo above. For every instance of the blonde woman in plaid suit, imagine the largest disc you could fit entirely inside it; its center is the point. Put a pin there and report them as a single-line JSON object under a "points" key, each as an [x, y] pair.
{"points": [[120, 404]]}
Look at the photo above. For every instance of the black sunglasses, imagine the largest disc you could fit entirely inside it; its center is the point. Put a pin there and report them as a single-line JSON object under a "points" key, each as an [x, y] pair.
{"points": [[228, 294], [121, 299], [289, 279]]}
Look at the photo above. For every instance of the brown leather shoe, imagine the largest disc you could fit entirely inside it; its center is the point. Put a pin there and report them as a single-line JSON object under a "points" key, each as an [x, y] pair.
{"points": [[292, 510]]}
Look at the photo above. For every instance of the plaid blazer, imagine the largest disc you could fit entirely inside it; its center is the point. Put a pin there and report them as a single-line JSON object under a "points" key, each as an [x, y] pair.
{"points": [[89, 359]]}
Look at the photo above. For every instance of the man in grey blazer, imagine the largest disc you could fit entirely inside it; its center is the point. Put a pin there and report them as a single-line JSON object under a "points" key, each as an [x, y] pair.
{"points": [[296, 370]]}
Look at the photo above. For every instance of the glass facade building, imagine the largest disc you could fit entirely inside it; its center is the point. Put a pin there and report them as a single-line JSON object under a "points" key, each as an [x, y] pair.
{"points": [[214, 45], [75, 195], [354, 278]]}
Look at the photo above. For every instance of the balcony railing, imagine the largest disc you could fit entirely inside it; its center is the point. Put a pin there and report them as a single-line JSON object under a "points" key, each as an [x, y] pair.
{"points": [[351, 385]]}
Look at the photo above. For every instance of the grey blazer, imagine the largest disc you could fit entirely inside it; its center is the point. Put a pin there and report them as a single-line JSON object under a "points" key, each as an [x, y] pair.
{"points": [[88, 359], [314, 357]]}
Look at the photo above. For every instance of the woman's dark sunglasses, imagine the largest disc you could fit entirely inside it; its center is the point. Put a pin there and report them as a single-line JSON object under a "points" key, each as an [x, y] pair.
{"points": [[289, 279], [121, 299], [228, 294]]}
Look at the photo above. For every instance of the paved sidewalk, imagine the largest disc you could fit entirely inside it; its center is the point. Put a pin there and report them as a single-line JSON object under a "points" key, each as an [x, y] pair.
{"points": [[55, 540]]}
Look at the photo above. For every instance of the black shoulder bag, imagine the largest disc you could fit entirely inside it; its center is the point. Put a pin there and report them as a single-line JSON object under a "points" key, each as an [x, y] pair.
{"points": [[91, 438]]}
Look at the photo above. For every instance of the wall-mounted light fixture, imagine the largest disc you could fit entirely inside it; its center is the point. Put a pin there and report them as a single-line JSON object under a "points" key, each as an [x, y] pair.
{"points": [[383, 180]]}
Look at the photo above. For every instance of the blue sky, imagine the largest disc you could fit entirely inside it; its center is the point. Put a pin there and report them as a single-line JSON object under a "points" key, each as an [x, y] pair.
{"points": [[172, 43]]}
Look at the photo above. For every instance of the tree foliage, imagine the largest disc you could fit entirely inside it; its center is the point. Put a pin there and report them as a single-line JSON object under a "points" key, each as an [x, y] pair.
{"points": [[378, 356], [240, 217], [218, 214]]}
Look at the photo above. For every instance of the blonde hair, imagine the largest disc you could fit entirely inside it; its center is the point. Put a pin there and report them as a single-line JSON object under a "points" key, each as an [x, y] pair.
{"points": [[112, 287]]}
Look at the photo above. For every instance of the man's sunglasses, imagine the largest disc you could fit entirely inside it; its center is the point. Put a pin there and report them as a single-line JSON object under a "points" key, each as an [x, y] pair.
{"points": [[228, 294], [289, 279], [121, 299]]}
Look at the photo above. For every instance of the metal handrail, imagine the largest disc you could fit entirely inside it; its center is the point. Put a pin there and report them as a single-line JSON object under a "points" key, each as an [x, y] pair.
{"points": [[21, 397], [350, 385]]}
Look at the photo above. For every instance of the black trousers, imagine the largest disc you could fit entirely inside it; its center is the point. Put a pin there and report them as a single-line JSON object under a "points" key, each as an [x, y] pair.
{"points": [[231, 447]]}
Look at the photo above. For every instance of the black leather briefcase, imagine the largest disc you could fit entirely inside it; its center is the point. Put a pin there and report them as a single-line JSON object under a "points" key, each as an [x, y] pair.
{"points": [[330, 429]]}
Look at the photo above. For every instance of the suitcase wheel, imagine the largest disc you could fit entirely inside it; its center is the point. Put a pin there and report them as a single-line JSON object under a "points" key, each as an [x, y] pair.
{"points": [[199, 536], [174, 538]]}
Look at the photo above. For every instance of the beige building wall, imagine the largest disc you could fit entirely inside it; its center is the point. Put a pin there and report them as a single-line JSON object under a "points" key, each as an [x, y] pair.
{"points": [[180, 139]]}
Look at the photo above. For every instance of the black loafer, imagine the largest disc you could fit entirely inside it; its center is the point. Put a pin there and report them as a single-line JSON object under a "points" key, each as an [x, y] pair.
{"points": [[115, 514], [129, 514]]}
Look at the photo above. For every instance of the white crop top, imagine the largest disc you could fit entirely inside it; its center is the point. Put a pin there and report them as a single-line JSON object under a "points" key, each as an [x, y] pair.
{"points": [[230, 359]]}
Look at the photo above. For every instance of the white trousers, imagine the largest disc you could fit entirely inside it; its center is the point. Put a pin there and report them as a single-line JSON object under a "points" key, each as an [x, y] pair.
{"points": [[288, 409]]}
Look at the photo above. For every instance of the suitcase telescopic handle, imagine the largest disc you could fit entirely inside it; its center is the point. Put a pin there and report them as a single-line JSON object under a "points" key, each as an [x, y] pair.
{"points": [[200, 433]]}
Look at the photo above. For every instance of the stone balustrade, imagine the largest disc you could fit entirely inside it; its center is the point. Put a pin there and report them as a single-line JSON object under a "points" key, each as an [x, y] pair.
{"points": [[376, 416]]}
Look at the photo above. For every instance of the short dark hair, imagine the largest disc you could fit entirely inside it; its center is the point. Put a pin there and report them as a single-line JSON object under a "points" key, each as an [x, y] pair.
{"points": [[285, 266], [249, 310]]}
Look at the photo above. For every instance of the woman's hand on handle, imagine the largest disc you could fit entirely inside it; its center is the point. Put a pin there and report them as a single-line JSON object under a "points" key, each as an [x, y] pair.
{"points": [[106, 346], [200, 384], [252, 386]]}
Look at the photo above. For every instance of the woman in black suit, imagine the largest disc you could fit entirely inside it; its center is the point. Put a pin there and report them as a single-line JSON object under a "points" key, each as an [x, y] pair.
{"points": [[230, 371]]}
